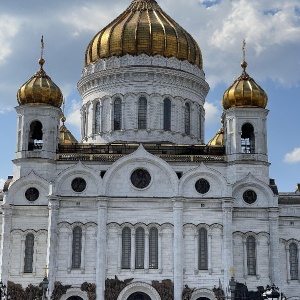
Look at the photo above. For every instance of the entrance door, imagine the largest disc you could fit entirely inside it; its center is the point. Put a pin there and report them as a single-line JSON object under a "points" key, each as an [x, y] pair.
{"points": [[74, 298], [139, 296], [202, 298]]}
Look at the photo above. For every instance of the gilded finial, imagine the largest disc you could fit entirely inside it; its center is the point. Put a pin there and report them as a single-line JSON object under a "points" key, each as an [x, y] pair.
{"points": [[232, 272], [63, 119], [244, 63], [41, 60]]}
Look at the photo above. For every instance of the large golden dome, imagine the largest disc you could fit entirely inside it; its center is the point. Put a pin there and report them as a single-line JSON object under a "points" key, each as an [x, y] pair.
{"points": [[244, 92], [143, 28], [40, 89]]}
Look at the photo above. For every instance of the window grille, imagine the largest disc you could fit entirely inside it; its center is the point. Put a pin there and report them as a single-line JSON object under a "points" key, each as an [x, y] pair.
{"points": [[97, 118], [293, 261], [203, 253], [126, 248], [139, 248], [153, 248], [76, 247], [29, 250], [142, 113], [118, 114], [251, 255], [167, 114], [187, 119]]}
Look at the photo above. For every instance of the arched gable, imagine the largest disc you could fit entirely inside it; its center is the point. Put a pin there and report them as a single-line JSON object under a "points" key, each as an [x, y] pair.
{"points": [[265, 196], [117, 182], [218, 184], [139, 287], [16, 192], [62, 184]]}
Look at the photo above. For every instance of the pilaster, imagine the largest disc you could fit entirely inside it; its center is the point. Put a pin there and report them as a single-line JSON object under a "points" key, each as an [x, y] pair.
{"points": [[178, 248], [101, 248]]}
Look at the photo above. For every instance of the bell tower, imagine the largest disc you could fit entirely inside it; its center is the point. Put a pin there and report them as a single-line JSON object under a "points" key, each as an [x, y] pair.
{"points": [[39, 115], [245, 118]]}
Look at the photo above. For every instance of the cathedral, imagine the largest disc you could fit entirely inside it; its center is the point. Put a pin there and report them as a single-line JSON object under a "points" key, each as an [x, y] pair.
{"points": [[141, 208]]}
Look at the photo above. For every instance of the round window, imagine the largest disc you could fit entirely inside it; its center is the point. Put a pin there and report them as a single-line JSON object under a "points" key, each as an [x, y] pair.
{"points": [[202, 186], [140, 178], [78, 184], [32, 194], [249, 196]]}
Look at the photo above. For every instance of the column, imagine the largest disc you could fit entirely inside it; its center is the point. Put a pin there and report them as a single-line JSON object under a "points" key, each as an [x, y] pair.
{"points": [[119, 250], [83, 241], [5, 241], [22, 253], [132, 258], [209, 235], [101, 249], [178, 248], [274, 245], [53, 208], [160, 234], [227, 239], [70, 251], [146, 258], [288, 267], [245, 258], [196, 244]]}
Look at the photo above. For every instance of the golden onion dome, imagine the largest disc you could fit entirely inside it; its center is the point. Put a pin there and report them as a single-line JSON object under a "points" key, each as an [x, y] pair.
{"points": [[65, 136], [244, 92], [143, 28], [218, 139], [40, 89]]}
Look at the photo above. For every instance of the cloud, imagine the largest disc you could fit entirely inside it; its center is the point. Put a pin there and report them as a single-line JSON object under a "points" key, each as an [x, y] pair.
{"points": [[293, 156], [9, 27], [2, 181], [212, 114], [73, 114]]}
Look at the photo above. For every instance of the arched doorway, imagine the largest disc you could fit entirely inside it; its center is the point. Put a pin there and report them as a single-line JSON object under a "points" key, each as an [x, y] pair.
{"points": [[74, 298], [138, 296], [202, 298]]}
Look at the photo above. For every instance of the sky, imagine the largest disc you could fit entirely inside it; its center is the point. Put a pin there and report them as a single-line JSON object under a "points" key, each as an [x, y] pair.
{"points": [[271, 30]]}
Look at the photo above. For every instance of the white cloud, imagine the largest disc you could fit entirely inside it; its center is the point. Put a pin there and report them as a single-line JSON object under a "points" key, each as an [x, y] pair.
{"points": [[73, 114], [212, 114], [9, 27], [293, 156], [2, 181]]}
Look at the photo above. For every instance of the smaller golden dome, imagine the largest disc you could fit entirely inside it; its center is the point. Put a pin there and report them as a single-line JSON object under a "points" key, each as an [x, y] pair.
{"points": [[244, 92], [40, 89], [65, 136], [218, 139]]}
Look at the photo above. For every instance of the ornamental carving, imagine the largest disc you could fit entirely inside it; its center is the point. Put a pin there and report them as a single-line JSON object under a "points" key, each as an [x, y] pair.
{"points": [[59, 290], [90, 289], [113, 287], [187, 292], [219, 293], [165, 289]]}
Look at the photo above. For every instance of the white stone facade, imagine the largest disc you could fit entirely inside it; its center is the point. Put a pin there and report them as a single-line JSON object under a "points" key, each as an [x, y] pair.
{"points": [[238, 221]]}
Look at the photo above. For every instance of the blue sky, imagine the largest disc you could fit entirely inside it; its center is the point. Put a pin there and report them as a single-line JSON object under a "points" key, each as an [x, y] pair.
{"points": [[271, 30]]}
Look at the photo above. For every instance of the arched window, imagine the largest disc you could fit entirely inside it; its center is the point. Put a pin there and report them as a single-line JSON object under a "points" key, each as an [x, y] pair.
{"points": [[167, 114], [142, 113], [247, 139], [35, 140], [29, 250], [203, 255], [153, 248], [118, 114], [97, 118], [139, 248], [187, 119], [126, 248], [251, 255], [293, 261], [76, 247]]}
